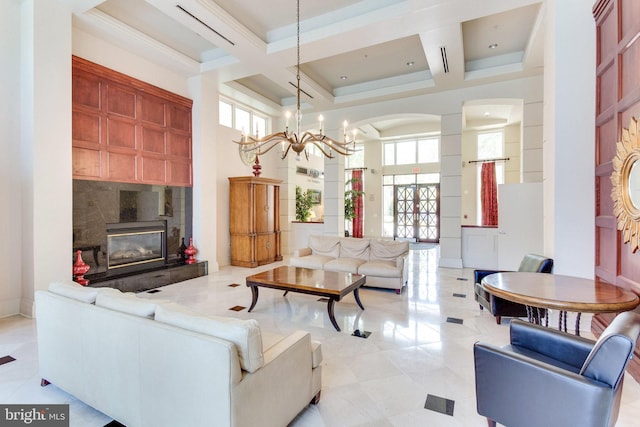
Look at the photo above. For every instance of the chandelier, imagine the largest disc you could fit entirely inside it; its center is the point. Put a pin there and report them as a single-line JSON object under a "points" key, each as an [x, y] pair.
{"points": [[297, 141]]}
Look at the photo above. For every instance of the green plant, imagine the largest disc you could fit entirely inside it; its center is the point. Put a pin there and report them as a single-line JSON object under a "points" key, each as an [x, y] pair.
{"points": [[303, 204], [350, 197]]}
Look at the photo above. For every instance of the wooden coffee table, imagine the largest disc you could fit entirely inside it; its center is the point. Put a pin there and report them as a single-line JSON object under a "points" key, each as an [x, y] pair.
{"points": [[328, 284]]}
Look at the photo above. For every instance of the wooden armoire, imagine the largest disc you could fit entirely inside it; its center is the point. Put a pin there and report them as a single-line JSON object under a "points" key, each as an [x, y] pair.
{"points": [[254, 220]]}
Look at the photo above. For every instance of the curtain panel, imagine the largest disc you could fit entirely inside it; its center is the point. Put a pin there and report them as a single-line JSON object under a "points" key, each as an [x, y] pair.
{"points": [[357, 185], [489, 194]]}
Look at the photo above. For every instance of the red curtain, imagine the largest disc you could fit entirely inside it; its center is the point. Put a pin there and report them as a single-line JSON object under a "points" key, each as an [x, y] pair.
{"points": [[357, 185], [489, 194]]}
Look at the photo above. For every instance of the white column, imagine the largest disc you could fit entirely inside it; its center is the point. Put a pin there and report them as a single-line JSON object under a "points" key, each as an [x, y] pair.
{"points": [[10, 184], [203, 89], [286, 171], [334, 196], [569, 142], [532, 119], [451, 191], [45, 141]]}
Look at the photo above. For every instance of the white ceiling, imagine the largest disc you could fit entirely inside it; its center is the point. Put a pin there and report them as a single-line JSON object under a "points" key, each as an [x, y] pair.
{"points": [[352, 52]]}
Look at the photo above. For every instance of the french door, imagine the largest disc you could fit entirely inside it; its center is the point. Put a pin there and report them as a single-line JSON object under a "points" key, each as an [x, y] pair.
{"points": [[417, 212]]}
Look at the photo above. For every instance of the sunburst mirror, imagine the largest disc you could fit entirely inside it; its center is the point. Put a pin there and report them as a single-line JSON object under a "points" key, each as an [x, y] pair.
{"points": [[626, 185]]}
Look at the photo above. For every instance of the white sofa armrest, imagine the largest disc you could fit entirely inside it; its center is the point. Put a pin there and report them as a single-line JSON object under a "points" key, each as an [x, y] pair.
{"points": [[403, 265], [401, 260], [288, 363], [302, 252]]}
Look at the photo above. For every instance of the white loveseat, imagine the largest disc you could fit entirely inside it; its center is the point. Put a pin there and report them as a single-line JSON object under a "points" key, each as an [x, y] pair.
{"points": [[159, 364], [383, 261]]}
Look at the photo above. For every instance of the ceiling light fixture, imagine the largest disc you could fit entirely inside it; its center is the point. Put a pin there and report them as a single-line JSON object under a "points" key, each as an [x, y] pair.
{"points": [[295, 140], [410, 63], [343, 77], [493, 45]]}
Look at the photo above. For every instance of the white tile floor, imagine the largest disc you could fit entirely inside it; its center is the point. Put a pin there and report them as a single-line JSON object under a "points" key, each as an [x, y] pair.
{"points": [[381, 381]]}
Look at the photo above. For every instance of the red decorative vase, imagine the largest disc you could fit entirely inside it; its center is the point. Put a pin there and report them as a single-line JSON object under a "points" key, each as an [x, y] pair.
{"points": [[190, 252], [257, 167], [80, 268]]}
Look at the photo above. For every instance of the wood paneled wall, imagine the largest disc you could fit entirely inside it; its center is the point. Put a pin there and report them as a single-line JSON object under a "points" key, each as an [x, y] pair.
{"points": [[126, 130], [617, 100]]}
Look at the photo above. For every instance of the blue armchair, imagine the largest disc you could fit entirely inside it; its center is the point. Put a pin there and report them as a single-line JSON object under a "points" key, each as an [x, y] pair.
{"points": [[550, 378], [500, 307]]}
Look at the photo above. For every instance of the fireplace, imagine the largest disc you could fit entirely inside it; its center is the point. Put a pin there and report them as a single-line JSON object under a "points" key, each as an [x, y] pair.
{"points": [[136, 245]]}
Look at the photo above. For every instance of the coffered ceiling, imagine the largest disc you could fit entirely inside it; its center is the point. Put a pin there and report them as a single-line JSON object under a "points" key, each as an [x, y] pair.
{"points": [[352, 51]]}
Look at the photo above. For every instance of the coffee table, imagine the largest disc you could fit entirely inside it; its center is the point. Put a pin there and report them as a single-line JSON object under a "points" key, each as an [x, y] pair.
{"points": [[328, 284]]}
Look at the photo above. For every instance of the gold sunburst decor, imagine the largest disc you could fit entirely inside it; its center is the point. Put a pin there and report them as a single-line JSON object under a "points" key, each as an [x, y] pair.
{"points": [[626, 159]]}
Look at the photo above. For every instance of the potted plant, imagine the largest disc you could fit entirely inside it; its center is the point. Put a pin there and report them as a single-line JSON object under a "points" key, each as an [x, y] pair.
{"points": [[304, 201], [350, 197]]}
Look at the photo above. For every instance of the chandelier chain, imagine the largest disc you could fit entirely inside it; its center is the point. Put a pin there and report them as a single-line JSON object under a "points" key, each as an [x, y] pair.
{"points": [[297, 141]]}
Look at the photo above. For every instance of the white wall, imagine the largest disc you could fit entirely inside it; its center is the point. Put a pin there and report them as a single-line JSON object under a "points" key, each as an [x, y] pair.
{"points": [[10, 182]]}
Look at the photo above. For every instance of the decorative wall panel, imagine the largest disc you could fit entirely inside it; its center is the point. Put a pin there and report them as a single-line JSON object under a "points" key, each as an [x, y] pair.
{"points": [[617, 100], [126, 130]]}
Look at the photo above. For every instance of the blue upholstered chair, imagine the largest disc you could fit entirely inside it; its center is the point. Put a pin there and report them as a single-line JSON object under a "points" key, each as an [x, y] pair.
{"points": [[500, 307], [550, 378]]}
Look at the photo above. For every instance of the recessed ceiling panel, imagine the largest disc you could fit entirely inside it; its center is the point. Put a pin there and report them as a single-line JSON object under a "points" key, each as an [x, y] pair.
{"points": [[252, 13], [500, 34], [390, 59], [265, 87], [147, 19]]}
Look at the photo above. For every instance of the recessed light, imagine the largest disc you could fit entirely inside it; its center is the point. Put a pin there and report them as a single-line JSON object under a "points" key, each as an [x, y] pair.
{"points": [[343, 77], [486, 114], [493, 45], [410, 63]]}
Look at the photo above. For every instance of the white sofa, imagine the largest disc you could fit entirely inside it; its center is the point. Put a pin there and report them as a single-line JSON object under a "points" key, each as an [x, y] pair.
{"points": [[145, 363], [383, 261]]}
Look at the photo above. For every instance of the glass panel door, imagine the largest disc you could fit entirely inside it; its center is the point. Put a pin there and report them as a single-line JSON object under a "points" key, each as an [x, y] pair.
{"points": [[417, 212]]}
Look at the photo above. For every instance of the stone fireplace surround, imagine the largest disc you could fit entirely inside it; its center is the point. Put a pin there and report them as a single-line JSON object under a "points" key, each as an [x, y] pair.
{"points": [[97, 205]]}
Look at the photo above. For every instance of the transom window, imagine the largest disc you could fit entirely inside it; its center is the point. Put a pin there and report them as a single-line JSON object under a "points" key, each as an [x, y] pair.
{"points": [[242, 118], [355, 160], [412, 151]]}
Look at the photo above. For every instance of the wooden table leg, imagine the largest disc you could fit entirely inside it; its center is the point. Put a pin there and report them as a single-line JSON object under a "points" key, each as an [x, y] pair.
{"points": [[330, 305], [254, 296], [356, 294]]}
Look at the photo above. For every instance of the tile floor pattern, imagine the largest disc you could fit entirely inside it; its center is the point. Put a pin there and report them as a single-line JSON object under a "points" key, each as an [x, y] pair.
{"points": [[385, 380]]}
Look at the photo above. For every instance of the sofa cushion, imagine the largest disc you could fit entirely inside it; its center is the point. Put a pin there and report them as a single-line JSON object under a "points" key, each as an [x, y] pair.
{"points": [[387, 250], [354, 248], [245, 334], [126, 303], [380, 269], [346, 265], [74, 291], [310, 261], [325, 245]]}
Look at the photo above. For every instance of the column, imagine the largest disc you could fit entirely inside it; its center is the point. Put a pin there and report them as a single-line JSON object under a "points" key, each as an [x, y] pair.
{"points": [[45, 142], [334, 196], [203, 89], [569, 140], [451, 191]]}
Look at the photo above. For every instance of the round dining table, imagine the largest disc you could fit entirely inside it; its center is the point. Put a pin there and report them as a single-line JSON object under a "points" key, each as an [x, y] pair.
{"points": [[562, 293]]}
